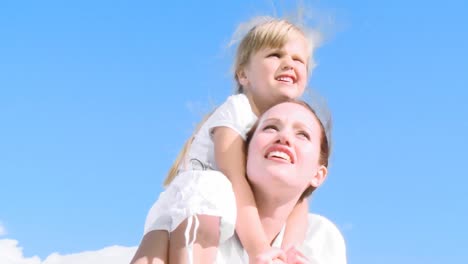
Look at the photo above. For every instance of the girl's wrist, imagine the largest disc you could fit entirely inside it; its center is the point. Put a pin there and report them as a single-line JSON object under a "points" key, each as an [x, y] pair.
{"points": [[258, 248]]}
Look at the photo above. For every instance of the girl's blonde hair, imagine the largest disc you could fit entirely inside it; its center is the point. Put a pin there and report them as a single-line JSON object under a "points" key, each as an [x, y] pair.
{"points": [[267, 32], [173, 171], [262, 32]]}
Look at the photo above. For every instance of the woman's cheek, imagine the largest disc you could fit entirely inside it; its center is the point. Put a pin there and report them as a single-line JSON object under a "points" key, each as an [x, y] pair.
{"points": [[308, 152], [253, 162]]}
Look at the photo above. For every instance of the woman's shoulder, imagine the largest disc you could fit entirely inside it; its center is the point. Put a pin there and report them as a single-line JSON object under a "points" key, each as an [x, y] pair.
{"points": [[319, 224], [324, 241]]}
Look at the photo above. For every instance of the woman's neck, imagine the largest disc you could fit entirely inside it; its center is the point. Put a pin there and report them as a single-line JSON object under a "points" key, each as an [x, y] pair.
{"points": [[273, 212]]}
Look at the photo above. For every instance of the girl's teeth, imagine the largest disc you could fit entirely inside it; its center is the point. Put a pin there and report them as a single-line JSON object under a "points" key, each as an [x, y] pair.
{"points": [[285, 79]]}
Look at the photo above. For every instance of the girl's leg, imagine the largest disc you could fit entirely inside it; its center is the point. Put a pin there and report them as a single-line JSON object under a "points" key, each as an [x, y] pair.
{"points": [[205, 245], [153, 249]]}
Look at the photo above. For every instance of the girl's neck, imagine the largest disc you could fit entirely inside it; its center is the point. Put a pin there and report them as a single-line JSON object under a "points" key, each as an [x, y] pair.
{"points": [[256, 106]]}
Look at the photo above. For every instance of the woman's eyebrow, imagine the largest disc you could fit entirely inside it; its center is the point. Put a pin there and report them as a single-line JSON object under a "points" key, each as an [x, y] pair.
{"points": [[270, 120], [303, 125]]}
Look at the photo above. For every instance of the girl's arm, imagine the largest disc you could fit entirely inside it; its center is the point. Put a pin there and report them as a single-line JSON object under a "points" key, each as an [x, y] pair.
{"points": [[230, 158], [296, 225]]}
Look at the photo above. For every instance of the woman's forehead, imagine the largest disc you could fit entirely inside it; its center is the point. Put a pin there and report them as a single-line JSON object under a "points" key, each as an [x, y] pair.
{"points": [[288, 110]]}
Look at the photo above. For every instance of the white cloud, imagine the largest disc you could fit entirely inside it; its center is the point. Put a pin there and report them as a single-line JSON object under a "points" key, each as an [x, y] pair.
{"points": [[2, 230], [11, 253]]}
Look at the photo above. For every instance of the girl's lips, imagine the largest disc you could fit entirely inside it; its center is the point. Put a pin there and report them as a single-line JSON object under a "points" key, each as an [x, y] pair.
{"points": [[288, 78]]}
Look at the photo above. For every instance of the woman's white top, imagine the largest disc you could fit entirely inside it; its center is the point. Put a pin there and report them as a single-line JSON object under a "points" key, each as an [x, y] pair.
{"points": [[323, 244]]}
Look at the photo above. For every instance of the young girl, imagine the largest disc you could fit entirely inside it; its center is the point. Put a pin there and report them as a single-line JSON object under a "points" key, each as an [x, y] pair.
{"points": [[190, 218]]}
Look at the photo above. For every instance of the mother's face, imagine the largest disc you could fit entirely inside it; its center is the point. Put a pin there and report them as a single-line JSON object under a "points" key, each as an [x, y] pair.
{"points": [[283, 154]]}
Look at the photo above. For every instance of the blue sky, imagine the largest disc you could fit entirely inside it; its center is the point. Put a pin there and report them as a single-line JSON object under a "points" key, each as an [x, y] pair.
{"points": [[97, 97]]}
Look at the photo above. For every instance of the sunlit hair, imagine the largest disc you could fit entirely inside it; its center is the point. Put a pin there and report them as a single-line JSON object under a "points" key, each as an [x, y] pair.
{"points": [[174, 170], [263, 32], [268, 32], [325, 141]]}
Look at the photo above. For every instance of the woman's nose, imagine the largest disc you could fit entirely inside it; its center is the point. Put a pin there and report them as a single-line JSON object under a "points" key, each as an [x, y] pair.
{"points": [[283, 138]]}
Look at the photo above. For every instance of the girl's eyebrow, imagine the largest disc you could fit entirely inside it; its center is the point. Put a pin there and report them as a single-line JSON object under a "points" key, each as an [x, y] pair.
{"points": [[273, 49]]}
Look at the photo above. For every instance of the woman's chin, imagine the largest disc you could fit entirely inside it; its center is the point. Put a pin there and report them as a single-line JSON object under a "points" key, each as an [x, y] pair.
{"points": [[276, 178]]}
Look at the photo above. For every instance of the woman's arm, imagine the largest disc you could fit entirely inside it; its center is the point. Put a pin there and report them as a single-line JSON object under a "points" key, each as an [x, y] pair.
{"points": [[296, 226]]}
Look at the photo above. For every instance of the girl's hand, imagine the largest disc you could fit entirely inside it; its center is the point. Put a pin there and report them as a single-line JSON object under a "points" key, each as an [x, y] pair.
{"points": [[270, 256], [294, 256]]}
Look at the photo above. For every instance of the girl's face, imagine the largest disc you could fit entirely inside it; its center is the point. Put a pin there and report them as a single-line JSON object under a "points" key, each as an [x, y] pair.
{"points": [[273, 75], [284, 150]]}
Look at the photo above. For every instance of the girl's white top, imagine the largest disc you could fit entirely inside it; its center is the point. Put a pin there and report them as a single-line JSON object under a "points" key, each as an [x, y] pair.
{"points": [[199, 188], [235, 113]]}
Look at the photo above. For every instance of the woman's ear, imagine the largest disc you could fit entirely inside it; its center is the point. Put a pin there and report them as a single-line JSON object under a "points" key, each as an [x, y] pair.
{"points": [[319, 177]]}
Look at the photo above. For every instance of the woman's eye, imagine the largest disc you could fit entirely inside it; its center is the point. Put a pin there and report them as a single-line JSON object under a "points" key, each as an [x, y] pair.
{"points": [[304, 135], [270, 128]]}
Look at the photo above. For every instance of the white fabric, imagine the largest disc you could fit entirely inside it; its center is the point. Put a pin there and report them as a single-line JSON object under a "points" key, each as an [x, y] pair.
{"points": [[189, 243], [209, 192], [235, 113], [323, 244], [190, 193], [198, 191]]}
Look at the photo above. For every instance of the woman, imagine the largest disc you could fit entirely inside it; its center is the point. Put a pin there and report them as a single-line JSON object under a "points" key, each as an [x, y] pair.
{"points": [[287, 158]]}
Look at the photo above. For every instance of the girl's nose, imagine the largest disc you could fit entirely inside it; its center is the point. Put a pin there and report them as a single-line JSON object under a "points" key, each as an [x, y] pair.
{"points": [[287, 64]]}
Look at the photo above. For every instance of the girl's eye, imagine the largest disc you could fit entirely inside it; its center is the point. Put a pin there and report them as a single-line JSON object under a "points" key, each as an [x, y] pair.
{"points": [[274, 54], [299, 60]]}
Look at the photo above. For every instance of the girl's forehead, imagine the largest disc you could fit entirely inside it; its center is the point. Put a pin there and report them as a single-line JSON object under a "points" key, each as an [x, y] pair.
{"points": [[279, 42]]}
